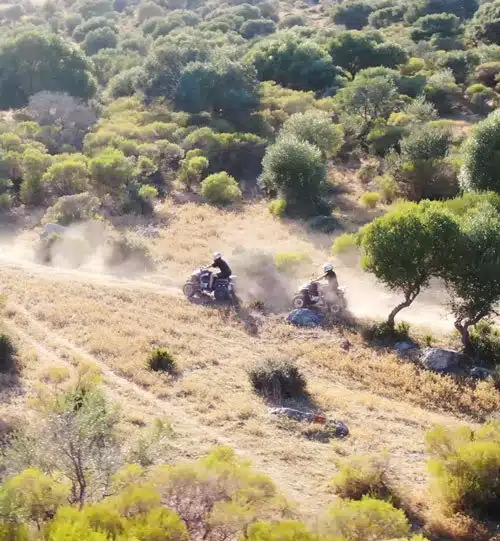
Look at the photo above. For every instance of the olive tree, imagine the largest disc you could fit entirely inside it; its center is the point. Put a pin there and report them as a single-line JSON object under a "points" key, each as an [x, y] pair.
{"points": [[408, 246], [294, 170], [368, 98], [482, 156], [473, 274], [317, 128]]}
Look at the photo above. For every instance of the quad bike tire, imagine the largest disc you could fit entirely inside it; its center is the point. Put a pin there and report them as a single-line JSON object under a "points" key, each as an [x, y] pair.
{"points": [[221, 294], [299, 302], [189, 290]]}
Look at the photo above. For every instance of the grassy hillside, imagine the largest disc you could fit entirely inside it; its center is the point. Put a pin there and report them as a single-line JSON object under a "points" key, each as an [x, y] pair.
{"points": [[285, 134]]}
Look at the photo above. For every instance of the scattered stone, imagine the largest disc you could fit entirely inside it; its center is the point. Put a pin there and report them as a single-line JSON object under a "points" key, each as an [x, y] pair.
{"points": [[480, 372], [441, 360], [337, 428], [303, 317], [345, 345]]}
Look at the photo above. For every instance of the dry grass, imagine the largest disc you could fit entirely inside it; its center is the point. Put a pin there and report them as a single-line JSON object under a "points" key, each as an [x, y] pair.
{"points": [[62, 320]]}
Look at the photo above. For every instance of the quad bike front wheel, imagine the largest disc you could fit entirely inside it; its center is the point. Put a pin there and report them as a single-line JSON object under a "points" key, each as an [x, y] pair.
{"points": [[299, 302], [188, 289]]}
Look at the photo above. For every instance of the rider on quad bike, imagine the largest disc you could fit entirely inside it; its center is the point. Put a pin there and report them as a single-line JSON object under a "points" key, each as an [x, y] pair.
{"points": [[331, 277], [224, 269], [316, 294]]}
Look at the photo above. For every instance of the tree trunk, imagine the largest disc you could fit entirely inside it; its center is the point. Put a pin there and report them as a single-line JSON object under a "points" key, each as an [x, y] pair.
{"points": [[409, 298], [463, 329]]}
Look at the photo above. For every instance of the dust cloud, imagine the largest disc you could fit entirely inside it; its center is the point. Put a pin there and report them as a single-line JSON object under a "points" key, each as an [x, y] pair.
{"points": [[89, 253]]}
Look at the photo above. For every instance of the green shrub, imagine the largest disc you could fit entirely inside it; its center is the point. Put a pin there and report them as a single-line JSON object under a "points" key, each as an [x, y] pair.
{"points": [[465, 465], [291, 20], [288, 530], [220, 188], [257, 27], [359, 476], [7, 362], [294, 170], [388, 188], [277, 380], [73, 208], [485, 339], [367, 519], [161, 360], [370, 199], [289, 262], [277, 208], [345, 242], [122, 250]]}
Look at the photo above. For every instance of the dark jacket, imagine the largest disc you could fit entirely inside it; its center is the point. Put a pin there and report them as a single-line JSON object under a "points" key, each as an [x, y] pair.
{"points": [[224, 268]]}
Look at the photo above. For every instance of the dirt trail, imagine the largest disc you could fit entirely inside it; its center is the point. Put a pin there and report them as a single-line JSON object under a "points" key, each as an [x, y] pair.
{"points": [[366, 297]]}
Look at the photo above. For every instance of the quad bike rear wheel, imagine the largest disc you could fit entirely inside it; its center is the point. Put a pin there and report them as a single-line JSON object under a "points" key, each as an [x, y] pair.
{"points": [[221, 293], [299, 302], [189, 289]]}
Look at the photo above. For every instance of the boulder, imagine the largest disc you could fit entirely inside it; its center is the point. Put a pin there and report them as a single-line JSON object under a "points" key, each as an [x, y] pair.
{"points": [[303, 317], [441, 360]]}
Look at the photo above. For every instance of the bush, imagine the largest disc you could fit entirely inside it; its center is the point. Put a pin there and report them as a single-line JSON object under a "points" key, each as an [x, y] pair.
{"points": [[291, 20], [277, 208], [383, 138], [289, 262], [295, 63], [353, 15], [123, 251], [73, 208], [161, 360], [316, 128], [295, 171], [367, 519], [370, 199], [465, 466], [345, 242], [482, 157], [6, 354], [220, 188], [485, 340], [277, 380], [257, 27], [360, 476], [487, 74], [101, 38], [388, 188]]}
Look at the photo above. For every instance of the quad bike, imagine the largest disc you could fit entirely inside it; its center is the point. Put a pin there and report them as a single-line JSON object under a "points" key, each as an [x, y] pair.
{"points": [[198, 286], [312, 295]]}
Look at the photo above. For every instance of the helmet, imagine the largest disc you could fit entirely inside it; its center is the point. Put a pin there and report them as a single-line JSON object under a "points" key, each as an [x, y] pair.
{"points": [[327, 267], [216, 255]]}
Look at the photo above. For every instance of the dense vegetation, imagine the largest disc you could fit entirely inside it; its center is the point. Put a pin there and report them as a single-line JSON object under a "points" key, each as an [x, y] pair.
{"points": [[108, 106], [70, 475]]}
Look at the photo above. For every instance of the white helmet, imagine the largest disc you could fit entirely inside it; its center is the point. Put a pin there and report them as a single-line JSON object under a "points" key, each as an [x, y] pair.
{"points": [[327, 267], [216, 255]]}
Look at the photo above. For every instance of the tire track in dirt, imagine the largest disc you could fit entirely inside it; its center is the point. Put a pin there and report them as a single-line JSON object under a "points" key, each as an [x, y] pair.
{"points": [[123, 390]]}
